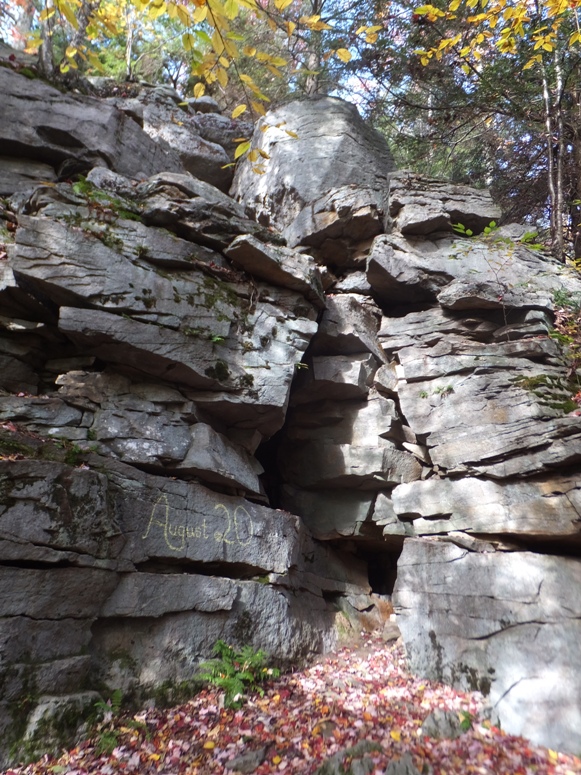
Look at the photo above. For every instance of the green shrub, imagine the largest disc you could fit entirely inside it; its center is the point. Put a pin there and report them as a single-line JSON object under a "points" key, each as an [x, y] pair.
{"points": [[237, 672]]}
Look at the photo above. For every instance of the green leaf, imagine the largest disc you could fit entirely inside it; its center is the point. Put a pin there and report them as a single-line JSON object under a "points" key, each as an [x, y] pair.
{"points": [[241, 149]]}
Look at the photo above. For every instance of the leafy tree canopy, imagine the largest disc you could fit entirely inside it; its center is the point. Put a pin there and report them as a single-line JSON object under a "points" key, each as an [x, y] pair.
{"points": [[480, 91]]}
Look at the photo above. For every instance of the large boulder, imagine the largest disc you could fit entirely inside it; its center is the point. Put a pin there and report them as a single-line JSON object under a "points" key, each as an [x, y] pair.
{"points": [[464, 273], [325, 176], [506, 623]]}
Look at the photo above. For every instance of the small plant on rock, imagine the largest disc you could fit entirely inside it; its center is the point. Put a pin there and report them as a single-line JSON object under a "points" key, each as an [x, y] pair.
{"points": [[107, 737], [237, 672]]}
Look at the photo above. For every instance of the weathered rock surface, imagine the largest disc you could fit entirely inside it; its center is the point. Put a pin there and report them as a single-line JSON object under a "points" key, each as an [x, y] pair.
{"points": [[315, 146], [420, 205], [503, 642], [538, 508], [174, 128], [154, 341], [348, 325], [279, 266], [489, 419], [38, 122], [490, 274], [18, 175], [338, 377], [337, 222]]}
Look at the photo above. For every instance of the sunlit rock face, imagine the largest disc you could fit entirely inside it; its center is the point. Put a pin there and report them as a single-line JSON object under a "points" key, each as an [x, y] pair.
{"points": [[326, 182], [242, 417], [512, 632]]}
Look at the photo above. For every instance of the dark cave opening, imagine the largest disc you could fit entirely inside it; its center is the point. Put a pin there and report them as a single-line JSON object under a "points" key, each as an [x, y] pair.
{"points": [[382, 570], [267, 456]]}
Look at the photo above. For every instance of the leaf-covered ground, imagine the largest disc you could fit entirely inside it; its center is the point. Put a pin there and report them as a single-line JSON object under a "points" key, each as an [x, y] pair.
{"points": [[356, 694]]}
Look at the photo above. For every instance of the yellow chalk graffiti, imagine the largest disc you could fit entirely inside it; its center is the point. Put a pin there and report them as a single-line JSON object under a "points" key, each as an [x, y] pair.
{"points": [[175, 536], [236, 522]]}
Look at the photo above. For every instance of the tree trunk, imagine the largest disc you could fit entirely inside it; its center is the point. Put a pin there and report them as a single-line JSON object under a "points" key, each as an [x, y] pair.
{"points": [[46, 53], [548, 115], [559, 248], [130, 27], [315, 54]]}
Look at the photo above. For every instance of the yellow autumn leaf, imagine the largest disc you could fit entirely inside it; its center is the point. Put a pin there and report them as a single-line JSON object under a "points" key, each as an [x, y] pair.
{"points": [[395, 734], [290, 28], [95, 62], [200, 14], [282, 4], [217, 43], [69, 14], [532, 61], [241, 149], [184, 15], [155, 10], [46, 14], [274, 71], [230, 48], [253, 155], [199, 90], [276, 759], [249, 51], [343, 54], [231, 9], [429, 11], [209, 745], [258, 108], [292, 134], [188, 41], [238, 111], [222, 77]]}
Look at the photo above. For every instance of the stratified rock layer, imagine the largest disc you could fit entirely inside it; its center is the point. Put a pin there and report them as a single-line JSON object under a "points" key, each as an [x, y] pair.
{"points": [[174, 373], [506, 623]]}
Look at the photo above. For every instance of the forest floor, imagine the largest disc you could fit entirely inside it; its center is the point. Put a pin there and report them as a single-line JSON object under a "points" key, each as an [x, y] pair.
{"points": [[359, 693]]}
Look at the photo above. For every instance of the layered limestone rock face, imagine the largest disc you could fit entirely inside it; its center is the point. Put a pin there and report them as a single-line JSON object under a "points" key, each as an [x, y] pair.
{"points": [[150, 333], [237, 416], [437, 416]]}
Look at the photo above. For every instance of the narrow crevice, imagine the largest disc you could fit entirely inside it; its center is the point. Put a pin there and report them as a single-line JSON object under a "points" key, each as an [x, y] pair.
{"points": [[37, 564], [236, 571]]}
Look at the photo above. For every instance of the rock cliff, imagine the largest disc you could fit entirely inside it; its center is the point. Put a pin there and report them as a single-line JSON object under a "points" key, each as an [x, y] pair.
{"points": [[242, 417]]}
